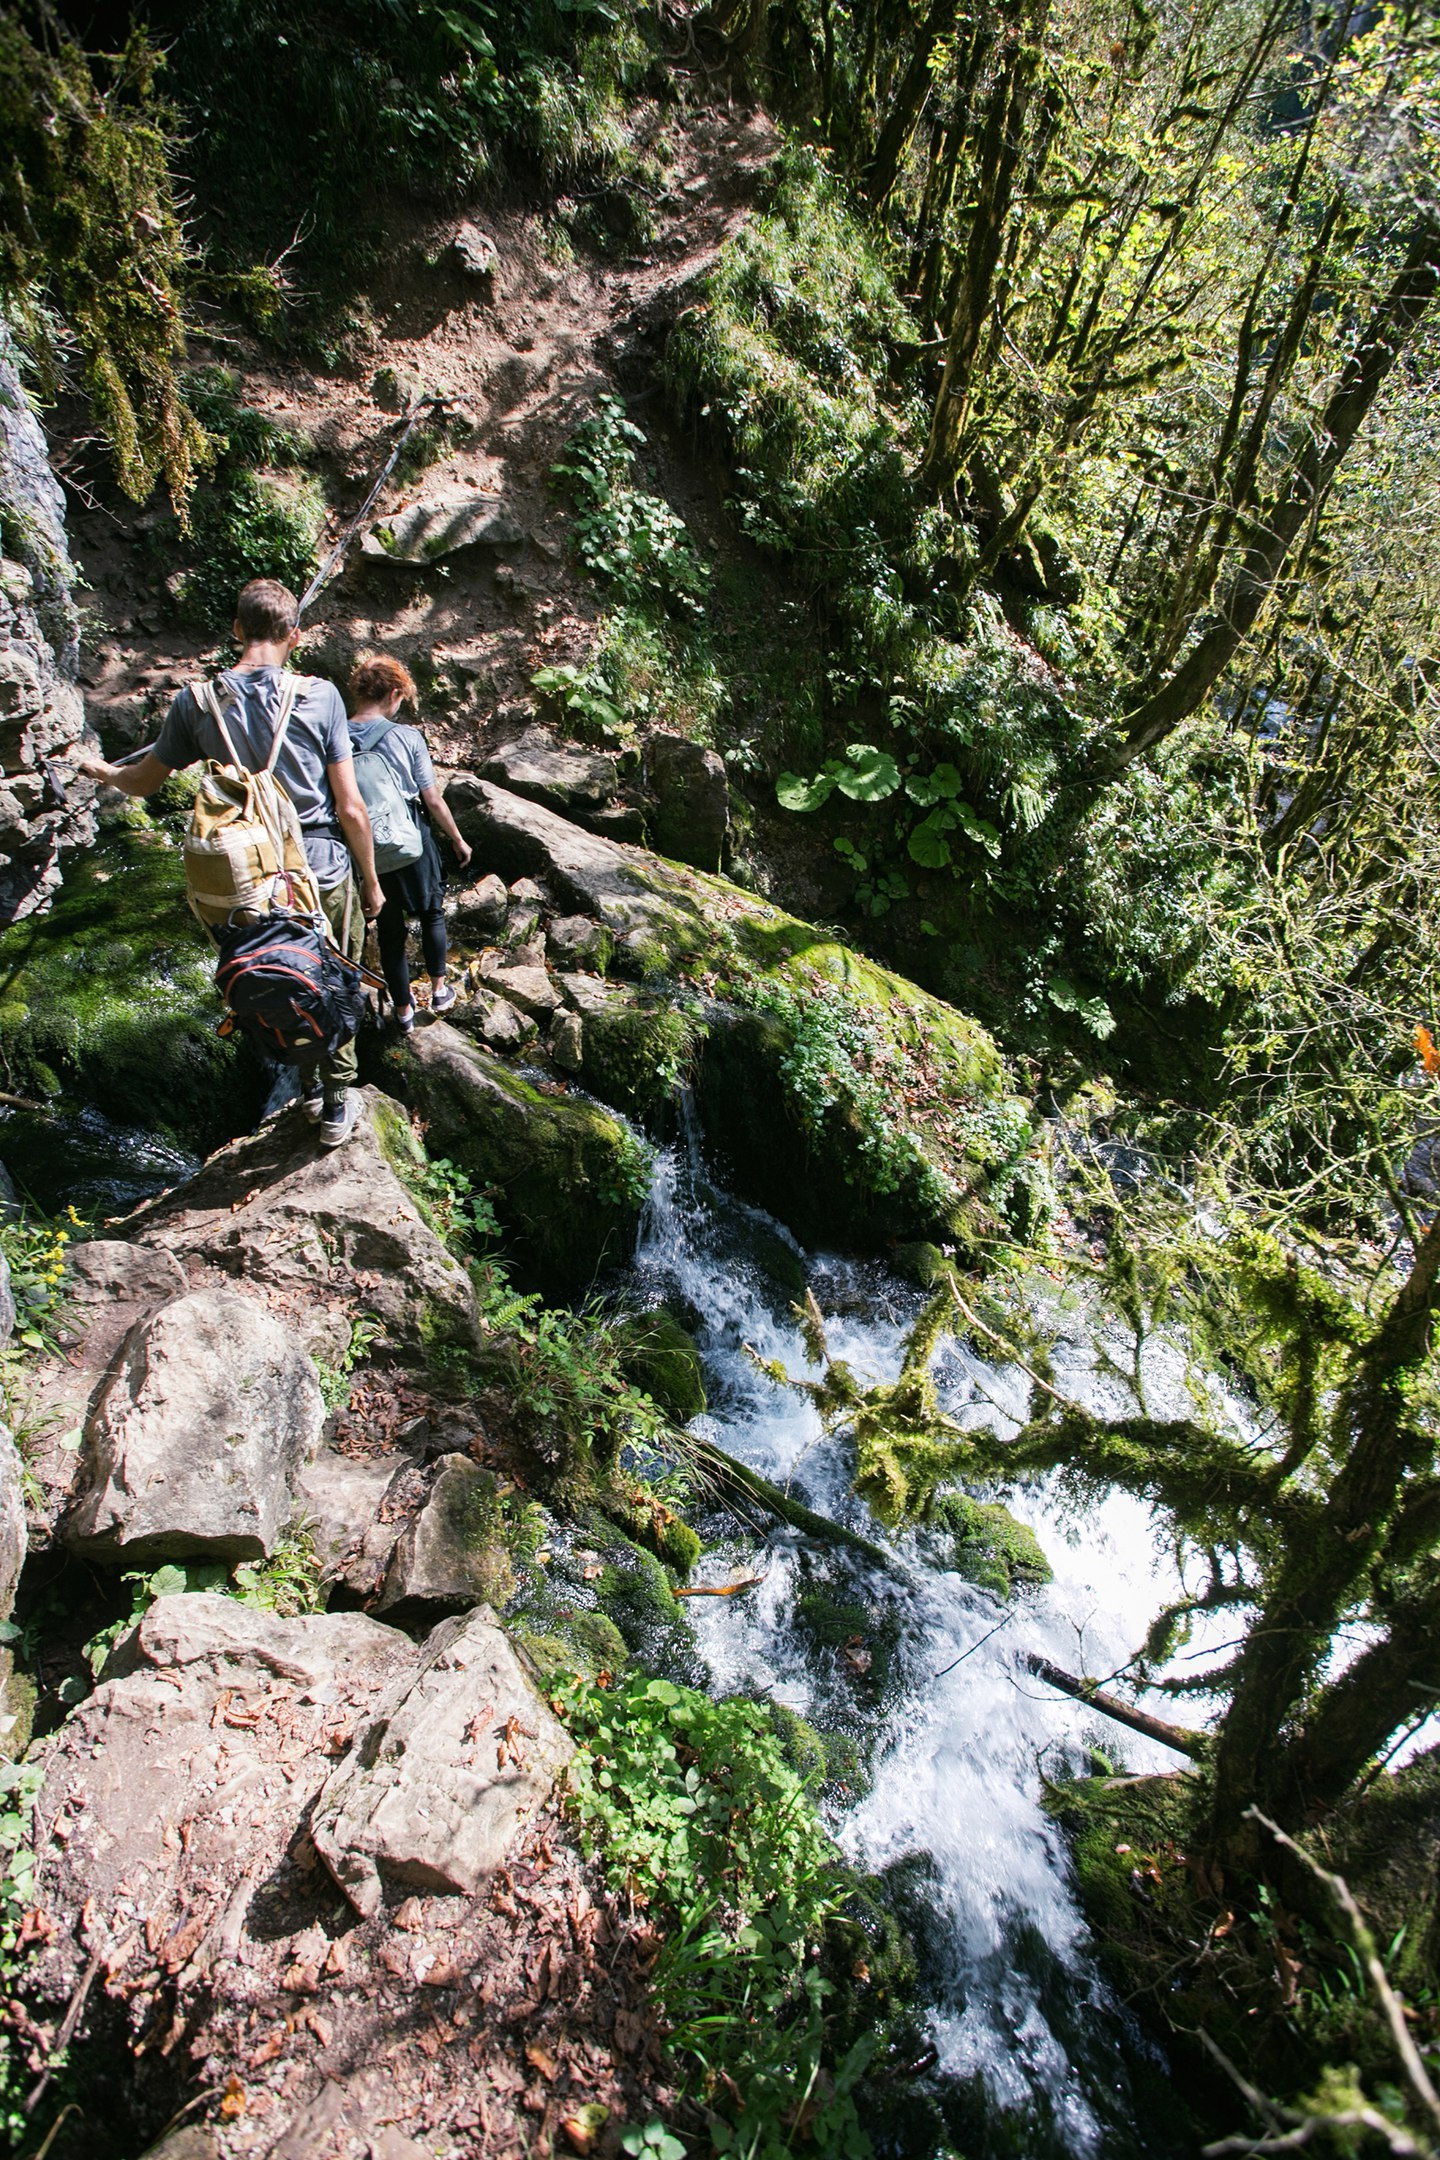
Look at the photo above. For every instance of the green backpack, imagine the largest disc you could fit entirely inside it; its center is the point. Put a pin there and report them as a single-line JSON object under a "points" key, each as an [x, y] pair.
{"points": [[394, 827]]}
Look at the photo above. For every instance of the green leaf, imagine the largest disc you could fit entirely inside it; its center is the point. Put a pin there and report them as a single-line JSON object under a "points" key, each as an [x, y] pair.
{"points": [[793, 793], [942, 785], [168, 1581], [927, 844], [977, 829], [663, 1691], [873, 774]]}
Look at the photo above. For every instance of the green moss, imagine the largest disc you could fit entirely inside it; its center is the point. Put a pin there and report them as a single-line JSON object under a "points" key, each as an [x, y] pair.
{"points": [[657, 1354], [109, 999], [861, 1636], [568, 1179], [638, 1054], [634, 1593], [983, 1541]]}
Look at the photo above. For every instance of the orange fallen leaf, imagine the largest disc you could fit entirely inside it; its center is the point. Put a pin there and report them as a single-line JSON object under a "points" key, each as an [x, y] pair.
{"points": [[542, 2060], [233, 2102], [733, 1589]]}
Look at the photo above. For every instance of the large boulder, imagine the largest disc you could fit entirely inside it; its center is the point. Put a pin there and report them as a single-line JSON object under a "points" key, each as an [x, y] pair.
{"points": [[12, 1520], [692, 800], [328, 1234], [577, 783], [176, 1876], [438, 526], [194, 1443], [567, 1178], [459, 1753]]}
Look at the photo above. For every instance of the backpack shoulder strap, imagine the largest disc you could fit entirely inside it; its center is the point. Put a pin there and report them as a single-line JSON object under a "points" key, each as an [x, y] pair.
{"points": [[207, 697], [289, 687], [375, 733]]}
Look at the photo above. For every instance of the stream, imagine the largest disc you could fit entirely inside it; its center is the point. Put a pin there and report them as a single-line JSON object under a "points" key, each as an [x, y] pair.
{"points": [[1034, 2056]]}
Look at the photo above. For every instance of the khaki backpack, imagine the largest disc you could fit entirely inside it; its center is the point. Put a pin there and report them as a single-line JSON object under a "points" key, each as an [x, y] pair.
{"points": [[244, 849]]}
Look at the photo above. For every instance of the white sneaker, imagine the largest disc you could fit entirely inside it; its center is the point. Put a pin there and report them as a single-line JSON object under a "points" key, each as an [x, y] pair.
{"points": [[339, 1119]]}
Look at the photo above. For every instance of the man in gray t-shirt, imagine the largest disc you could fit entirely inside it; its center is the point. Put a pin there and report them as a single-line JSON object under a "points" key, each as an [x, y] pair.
{"points": [[314, 768]]}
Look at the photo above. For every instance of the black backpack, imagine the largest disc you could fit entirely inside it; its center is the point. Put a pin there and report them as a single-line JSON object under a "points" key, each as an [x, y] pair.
{"points": [[288, 990]]}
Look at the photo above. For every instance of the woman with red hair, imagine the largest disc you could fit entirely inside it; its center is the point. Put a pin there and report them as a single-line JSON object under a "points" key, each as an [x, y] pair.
{"points": [[379, 686]]}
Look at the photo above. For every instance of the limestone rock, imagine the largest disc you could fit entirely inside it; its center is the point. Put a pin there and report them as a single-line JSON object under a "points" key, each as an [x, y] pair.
{"points": [[7, 1302], [42, 714], [575, 783], [441, 525], [219, 1714], [566, 1042], [496, 1022], [327, 1233], [528, 988], [474, 253], [482, 908], [450, 1555], [194, 1441], [692, 797], [344, 1501], [458, 1754], [563, 1171], [576, 942]]}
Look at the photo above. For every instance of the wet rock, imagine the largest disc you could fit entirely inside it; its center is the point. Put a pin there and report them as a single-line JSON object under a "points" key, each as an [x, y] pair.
{"points": [[42, 714], [450, 1555], [576, 783], [660, 1356], [565, 1174], [482, 908], [458, 1754], [474, 253], [438, 526], [193, 1443], [328, 1234], [578, 942], [692, 800]]}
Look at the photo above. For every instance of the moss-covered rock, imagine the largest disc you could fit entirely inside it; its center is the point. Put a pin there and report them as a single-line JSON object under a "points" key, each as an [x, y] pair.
{"points": [[857, 1635], [108, 1000], [567, 1179], [984, 1542], [659, 1356], [853, 1104]]}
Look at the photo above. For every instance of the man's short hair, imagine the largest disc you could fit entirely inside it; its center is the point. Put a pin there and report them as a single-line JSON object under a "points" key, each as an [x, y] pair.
{"points": [[266, 611], [375, 676]]}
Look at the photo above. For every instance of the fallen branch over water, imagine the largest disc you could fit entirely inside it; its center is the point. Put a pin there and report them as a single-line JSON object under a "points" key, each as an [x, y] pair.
{"points": [[1178, 1737], [727, 1471]]}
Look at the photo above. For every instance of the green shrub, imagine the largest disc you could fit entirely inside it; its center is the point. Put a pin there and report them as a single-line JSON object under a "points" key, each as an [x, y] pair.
{"points": [[635, 542], [693, 1808], [257, 525]]}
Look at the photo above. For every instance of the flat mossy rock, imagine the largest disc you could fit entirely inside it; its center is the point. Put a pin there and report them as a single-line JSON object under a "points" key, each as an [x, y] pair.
{"points": [[788, 1140], [984, 1542], [567, 1179]]}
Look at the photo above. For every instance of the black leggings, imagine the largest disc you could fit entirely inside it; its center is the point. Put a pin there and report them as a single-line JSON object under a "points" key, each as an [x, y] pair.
{"points": [[416, 892]]}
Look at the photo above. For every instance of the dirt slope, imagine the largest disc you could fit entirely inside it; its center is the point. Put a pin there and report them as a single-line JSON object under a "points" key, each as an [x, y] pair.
{"points": [[522, 361]]}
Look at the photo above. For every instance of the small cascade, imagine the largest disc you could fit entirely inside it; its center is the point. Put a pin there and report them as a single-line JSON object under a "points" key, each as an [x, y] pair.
{"points": [[1033, 2054]]}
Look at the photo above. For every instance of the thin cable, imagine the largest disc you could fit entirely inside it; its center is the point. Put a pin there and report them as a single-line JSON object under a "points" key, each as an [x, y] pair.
{"points": [[331, 563], [975, 1646]]}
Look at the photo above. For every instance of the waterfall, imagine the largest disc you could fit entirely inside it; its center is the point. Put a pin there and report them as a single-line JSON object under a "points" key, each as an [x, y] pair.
{"points": [[1028, 2037]]}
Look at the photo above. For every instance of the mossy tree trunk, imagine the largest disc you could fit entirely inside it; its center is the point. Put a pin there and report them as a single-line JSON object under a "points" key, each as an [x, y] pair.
{"points": [[1263, 1754]]}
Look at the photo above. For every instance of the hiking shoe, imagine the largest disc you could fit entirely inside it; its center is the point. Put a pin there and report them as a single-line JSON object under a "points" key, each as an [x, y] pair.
{"points": [[340, 1119], [405, 1021], [312, 1103], [442, 999]]}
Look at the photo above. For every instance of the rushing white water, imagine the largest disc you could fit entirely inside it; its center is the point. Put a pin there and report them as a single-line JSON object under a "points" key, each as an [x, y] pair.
{"points": [[1021, 2020]]}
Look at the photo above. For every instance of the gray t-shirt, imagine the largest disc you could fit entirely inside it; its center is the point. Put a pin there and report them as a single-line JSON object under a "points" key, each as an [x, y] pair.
{"points": [[403, 748], [318, 735]]}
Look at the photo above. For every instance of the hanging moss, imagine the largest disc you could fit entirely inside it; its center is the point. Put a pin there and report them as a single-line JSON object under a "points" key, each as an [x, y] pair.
{"points": [[91, 242]]}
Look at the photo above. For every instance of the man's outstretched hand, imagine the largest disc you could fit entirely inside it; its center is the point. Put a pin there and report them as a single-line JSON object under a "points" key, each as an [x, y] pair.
{"points": [[371, 901]]}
